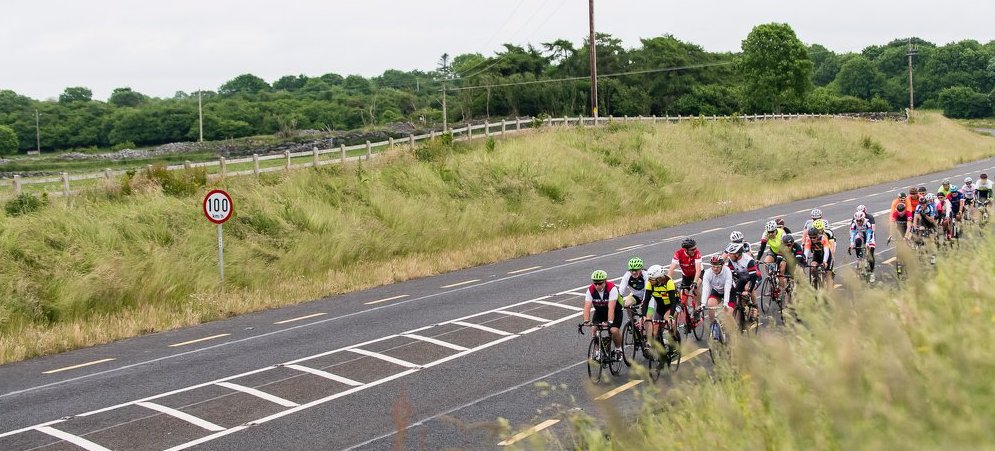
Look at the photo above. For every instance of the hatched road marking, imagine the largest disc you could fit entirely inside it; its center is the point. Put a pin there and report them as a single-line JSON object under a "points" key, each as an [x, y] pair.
{"points": [[385, 358], [76, 366], [444, 344], [200, 422], [74, 439], [524, 434], [174, 345], [482, 327], [259, 394], [324, 374]]}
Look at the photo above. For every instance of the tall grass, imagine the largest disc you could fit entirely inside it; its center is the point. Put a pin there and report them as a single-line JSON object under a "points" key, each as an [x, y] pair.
{"points": [[105, 265], [887, 368]]}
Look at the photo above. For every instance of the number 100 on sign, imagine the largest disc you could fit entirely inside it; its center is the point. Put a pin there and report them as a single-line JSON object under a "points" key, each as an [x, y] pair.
{"points": [[218, 206]]}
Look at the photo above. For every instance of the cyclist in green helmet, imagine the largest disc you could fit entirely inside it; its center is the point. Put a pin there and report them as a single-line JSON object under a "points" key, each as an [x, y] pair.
{"points": [[602, 295]]}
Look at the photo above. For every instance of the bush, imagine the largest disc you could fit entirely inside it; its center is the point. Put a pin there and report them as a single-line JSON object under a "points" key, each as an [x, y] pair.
{"points": [[963, 103], [179, 182], [8, 140], [25, 203], [124, 145], [491, 144]]}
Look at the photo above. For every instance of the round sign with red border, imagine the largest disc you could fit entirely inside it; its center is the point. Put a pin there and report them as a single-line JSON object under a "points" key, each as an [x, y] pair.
{"points": [[218, 206]]}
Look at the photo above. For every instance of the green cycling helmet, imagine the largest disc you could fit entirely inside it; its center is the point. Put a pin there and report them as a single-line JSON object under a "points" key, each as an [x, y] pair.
{"points": [[599, 276], [635, 263]]}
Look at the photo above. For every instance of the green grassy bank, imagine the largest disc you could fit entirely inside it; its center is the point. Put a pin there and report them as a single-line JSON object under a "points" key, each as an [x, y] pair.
{"points": [[107, 265]]}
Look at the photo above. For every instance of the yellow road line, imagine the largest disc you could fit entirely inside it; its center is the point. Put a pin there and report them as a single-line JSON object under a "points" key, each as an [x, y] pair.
{"points": [[387, 299], [198, 340], [522, 435], [461, 283], [837, 285], [524, 269], [299, 318], [619, 390], [694, 354], [579, 258], [890, 260], [76, 366]]}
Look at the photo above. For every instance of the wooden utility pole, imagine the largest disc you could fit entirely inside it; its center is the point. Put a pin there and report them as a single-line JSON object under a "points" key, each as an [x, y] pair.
{"points": [[37, 134], [594, 65], [913, 50], [200, 112], [445, 112]]}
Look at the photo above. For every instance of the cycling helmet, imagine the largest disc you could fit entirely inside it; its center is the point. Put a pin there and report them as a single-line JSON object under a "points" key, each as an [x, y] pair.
{"points": [[715, 260], [788, 239], [900, 208], [816, 213], [780, 221], [734, 248], [946, 181], [635, 263], [736, 236], [655, 272], [859, 216], [930, 197], [954, 188], [599, 276], [862, 208], [688, 243], [983, 175], [922, 189], [770, 226], [912, 190], [902, 195], [968, 181], [813, 232], [819, 224]]}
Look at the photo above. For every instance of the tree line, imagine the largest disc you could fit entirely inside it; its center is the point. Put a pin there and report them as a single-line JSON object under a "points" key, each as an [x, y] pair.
{"points": [[773, 73]]}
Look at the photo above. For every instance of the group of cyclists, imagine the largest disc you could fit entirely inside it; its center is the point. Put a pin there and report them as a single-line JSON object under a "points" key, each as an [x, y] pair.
{"points": [[731, 275]]}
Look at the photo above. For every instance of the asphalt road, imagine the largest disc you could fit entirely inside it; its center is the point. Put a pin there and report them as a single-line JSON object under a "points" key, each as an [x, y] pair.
{"points": [[433, 362]]}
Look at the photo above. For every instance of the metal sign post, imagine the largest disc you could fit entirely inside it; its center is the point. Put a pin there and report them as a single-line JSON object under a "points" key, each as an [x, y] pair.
{"points": [[218, 208]]}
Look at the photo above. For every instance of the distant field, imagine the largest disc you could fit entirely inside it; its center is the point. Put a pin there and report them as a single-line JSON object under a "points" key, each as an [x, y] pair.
{"points": [[105, 265]]}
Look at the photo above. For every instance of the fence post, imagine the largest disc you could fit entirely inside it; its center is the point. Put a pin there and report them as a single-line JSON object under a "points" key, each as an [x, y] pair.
{"points": [[186, 164], [678, 118], [255, 164], [286, 153], [17, 184], [431, 134], [369, 150], [223, 166], [411, 142], [654, 118], [342, 149], [65, 184], [391, 141], [314, 150], [107, 173], [504, 126], [518, 123], [469, 131]]}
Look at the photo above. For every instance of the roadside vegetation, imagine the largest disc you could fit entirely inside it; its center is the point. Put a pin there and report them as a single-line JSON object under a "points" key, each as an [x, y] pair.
{"points": [[136, 255], [904, 367]]}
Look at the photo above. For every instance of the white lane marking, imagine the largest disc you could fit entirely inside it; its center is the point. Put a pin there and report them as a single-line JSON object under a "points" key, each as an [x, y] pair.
{"points": [[694, 354], [673, 238], [829, 204], [523, 315], [580, 258], [81, 365], [481, 327], [385, 358], [524, 269], [710, 230], [461, 283], [556, 304], [74, 439], [745, 223], [803, 210], [572, 292], [628, 247], [174, 345], [200, 422], [551, 323], [444, 344], [324, 374], [837, 285], [313, 315], [618, 390], [850, 199], [468, 351], [387, 299], [525, 434], [259, 394]]}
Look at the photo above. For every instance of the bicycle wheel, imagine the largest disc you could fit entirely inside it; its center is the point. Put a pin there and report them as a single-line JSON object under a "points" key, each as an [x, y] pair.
{"points": [[698, 326], [614, 365], [628, 343], [766, 294], [594, 360], [674, 358]]}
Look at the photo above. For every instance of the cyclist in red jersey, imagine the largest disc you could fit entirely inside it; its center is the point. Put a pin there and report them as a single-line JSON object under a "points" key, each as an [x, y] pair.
{"points": [[688, 258]]}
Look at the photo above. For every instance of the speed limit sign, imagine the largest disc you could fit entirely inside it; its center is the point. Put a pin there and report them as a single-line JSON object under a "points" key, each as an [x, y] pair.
{"points": [[218, 206]]}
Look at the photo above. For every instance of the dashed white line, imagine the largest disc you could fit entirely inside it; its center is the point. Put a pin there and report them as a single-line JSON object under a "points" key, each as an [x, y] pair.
{"points": [[259, 394], [525, 434], [200, 422], [746, 223], [444, 344], [74, 439], [524, 269], [387, 299], [324, 374], [385, 358], [461, 283], [850, 199], [174, 345], [299, 318], [710, 230], [579, 258], [81, 365], [628, 247]]}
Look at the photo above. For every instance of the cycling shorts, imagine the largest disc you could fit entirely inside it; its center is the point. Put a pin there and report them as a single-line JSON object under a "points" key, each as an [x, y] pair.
{"points": [[712, 293], [661, 309], [601, 315]]}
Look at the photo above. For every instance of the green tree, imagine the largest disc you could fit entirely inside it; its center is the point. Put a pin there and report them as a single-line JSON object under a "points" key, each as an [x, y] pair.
{"points": [[860, 78], [8, 140], [125, 97], [290, 83], [775, 67], [76, 94], [963, 103], [244, 84]]}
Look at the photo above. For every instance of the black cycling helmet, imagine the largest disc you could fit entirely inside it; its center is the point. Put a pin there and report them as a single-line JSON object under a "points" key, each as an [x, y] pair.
{"points": [[922, 189], [900, 208], [688, 243], [902, 195], [788, 239], [813, 232]]}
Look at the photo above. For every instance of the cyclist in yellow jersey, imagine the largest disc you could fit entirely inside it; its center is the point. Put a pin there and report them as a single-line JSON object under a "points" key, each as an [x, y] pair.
{"points": [[662, 296], [771, 240]]}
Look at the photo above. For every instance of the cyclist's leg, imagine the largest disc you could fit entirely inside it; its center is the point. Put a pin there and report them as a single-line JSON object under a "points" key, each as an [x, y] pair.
{"points": [[617, 327]]}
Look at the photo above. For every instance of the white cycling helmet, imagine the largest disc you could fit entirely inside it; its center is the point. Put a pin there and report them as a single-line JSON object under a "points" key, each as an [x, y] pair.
{"points": [[862, 208], [736, 236], [654, 272], [930, 197], [968, 181], [859, 216], [816, 213], [770, 226], [734, 248]]}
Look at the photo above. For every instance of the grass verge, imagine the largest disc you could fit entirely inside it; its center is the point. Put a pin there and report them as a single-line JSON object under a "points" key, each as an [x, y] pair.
{"points": [[105, 265]]}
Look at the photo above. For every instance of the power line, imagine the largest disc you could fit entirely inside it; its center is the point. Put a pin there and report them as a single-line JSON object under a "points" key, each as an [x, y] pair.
{"points": [[585, 77]]}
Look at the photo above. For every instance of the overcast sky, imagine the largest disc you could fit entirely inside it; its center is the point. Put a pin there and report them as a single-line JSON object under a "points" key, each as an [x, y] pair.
{"points": [[161, 47]]}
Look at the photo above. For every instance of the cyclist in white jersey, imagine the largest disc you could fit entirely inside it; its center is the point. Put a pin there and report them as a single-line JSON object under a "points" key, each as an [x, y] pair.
{"points": [[716, 285]]}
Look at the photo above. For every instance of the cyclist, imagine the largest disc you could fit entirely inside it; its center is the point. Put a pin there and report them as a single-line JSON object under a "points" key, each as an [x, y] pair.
{"points": [[944, 189], [984, 188], [900, 217], [602, 295], [956, 209], [815, 215], [925, 217], [716, 284], [662, 297], [793, 254], [745, 273], [737, 237], [780, 224], [968, 191], [862, 229], [901, 199], [870, 217], [688, 258], [633, 286], [772, 237], [819, 249], [943, 209]]}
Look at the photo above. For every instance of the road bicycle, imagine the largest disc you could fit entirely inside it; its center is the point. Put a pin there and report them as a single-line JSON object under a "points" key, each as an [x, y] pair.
{"points": [[663, 354], [690, 318], [633, 336], [746, 313], [817, 275], [771, 295], [599, 352], [983, 212], [863, 261]]}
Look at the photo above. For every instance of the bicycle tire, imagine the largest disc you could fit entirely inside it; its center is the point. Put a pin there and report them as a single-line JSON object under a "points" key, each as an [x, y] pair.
{"points": [[614, 366], [766, 294], [594, 360], [628, 342], [699, 324]]}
